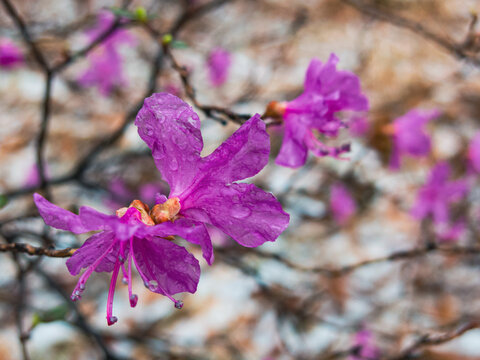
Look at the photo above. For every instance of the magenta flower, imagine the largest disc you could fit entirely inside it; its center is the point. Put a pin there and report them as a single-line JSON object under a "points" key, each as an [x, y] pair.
{"points": [[204, 189], [218, 64], [474, 153], [367, 349], [10, 55], [132, 237], [106, 64], [341, 203], [327, 91], [436, 196], [409, 135]]}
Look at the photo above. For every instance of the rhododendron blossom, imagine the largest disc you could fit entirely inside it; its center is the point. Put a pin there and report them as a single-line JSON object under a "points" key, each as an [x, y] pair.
{"points": [[134, 236], [105, 70], [409, 135], [10, 55], [203, 189], [327, 91], [436, 196], [218, 64], [341, 203]]}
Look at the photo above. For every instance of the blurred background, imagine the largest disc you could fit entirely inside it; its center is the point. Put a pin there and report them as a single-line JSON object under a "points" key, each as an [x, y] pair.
{"points": [[312, 294]]}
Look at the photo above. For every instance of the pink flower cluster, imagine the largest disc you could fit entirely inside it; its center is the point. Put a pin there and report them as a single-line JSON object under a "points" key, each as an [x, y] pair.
{"points": [[327, 92]]}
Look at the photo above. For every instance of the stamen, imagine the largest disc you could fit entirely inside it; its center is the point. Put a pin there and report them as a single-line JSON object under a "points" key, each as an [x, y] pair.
{"points": [[133, 298], [178, 304], [77, 292], [110, 318]]}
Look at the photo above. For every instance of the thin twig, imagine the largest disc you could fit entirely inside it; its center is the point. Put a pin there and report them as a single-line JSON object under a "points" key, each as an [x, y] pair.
{"points": [[378, 13], [435, 339], [38, 251]]}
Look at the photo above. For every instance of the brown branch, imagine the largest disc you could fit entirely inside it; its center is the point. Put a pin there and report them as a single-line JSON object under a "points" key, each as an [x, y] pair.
{"points": [[36, 251], [378, 13], [20, 24], [215, 112], [399, 255], [435, 339]]}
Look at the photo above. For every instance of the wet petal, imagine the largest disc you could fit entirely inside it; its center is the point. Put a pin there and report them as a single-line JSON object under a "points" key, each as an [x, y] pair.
{"points": [[123, 228], [60, 218], [91, 250], [242, 155], [192, 231], [293, 152], [171, 128], [248, 214], [165, 267]]}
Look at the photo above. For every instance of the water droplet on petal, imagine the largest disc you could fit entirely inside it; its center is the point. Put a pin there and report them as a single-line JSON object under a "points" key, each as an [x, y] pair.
{"points": [[173, 164], [152, 285], [239, 211], [148, 131], [179, 304]]}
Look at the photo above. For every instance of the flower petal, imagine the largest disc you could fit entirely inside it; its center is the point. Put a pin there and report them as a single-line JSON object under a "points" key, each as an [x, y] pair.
{"points": [[248, 214], [242, 155], [165, 267], [123, 228], [59, 218], [192, 231], [171, 128], [293, 152], [94, 247]]}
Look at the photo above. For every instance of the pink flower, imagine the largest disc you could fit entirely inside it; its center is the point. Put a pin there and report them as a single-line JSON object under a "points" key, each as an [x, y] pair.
{"points": [[218, 63], [367, 349], [131, 237], [342, 204], [106, 69], [10, 55], [203, 189], [436, 196], [409, 135], [327, 91], [474, 153]]}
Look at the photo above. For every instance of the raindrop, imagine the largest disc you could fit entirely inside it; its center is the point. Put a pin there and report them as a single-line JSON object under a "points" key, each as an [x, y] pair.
{"points": [[148, 131], [152, 285], [173, 164], [125, 280], [239, 211], [82, 286]]}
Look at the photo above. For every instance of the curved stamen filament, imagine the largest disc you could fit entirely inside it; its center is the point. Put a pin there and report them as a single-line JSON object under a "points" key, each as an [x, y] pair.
{"points": [[110, 318], [133, 298], [76, 294]]}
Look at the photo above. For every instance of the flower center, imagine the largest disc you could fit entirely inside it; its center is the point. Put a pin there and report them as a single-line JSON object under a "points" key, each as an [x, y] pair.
{"points": [[160, 213], [167, 211]]}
